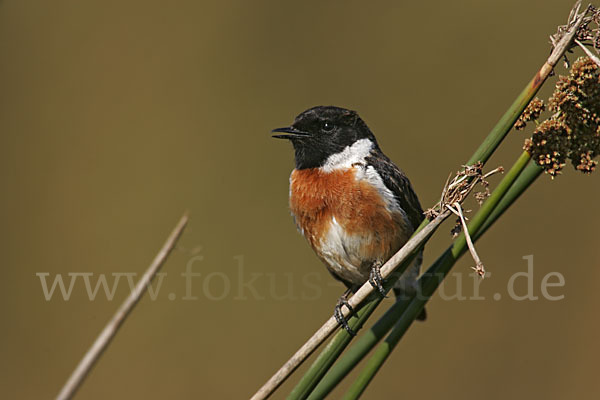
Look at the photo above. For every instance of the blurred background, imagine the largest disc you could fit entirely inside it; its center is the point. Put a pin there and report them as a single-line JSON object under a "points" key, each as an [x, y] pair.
{"points": [[117, 116]]}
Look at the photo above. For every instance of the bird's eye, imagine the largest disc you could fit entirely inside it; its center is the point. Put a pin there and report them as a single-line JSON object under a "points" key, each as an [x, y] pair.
{"points": [[327, 127]]}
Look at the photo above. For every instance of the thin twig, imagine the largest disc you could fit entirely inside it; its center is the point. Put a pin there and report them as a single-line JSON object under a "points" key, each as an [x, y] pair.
{"points": [[111, 328], [587, 51], [494, 171], [479, 268]]}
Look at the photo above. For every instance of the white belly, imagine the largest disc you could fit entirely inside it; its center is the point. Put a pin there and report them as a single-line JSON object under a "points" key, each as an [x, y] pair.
{"points": [[343, 255]]}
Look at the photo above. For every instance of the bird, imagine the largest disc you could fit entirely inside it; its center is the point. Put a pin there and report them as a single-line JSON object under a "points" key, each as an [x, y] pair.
{"points": [[353, 205]]}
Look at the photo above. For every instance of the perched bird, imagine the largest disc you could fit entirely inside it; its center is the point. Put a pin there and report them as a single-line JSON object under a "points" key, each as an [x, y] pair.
{"points": [[355, 207]]}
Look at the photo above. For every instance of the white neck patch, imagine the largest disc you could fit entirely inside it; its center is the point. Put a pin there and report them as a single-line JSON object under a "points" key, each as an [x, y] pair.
{"points": [[349, 156]]}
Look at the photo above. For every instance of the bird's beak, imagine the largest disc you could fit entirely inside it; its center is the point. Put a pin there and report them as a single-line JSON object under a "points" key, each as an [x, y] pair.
{"points": [[291, 133]]}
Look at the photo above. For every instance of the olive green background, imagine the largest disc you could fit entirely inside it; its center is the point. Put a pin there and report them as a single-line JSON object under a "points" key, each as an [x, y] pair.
{"points": [[116, 116]]}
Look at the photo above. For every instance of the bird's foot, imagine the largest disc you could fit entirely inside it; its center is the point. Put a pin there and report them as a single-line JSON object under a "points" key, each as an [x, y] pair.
{"points": [[375, 278], [339, 315]]}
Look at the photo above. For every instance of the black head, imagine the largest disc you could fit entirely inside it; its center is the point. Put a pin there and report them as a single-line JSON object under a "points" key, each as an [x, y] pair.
{"points": [[322, 131]]}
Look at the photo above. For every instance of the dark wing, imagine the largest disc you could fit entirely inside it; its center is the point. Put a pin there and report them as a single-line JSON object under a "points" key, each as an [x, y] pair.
{"points": [[395, 180]]}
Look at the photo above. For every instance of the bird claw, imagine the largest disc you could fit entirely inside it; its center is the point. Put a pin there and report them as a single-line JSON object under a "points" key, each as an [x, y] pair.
{"points": [[375, 278], [339, 315]]}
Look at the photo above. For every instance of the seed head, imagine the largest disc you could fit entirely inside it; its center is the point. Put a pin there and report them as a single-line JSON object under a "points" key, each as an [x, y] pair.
{"points": [[532, 112], [573, 131]]}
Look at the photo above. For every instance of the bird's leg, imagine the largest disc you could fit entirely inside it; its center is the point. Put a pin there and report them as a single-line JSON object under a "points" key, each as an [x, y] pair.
{"points": [[339, 316], [375, 278]]}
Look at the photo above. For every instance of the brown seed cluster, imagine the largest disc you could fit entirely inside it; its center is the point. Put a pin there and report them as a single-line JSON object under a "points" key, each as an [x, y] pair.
{"points": [[548, 146], [532, 112], [573, 131]]}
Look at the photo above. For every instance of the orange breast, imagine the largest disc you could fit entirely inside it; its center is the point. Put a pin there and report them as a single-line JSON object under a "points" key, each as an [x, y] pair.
{"points": [[316, 197]]}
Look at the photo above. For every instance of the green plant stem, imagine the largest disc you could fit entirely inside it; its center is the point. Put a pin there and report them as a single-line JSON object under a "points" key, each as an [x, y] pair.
{"points": [[491, 210]]}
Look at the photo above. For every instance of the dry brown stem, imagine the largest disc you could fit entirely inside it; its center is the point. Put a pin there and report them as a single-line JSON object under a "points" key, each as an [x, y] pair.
{"points": [[112, 327]]}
